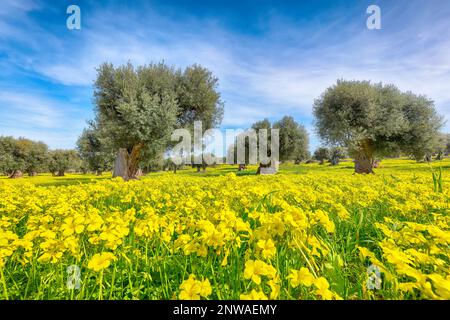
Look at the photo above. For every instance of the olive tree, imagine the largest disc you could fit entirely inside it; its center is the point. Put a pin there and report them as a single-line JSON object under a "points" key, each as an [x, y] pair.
{"points": [[294, 139], [135, 112], [59, 162], [336, 154], [10, 164], [34, 154], [322, 154], [22, 155], [95, 157], [375, 120], [138, 108]]}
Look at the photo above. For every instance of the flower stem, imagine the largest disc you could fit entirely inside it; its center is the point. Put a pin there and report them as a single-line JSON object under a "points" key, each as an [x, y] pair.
{"points": [[5, 289], [100, 290]]}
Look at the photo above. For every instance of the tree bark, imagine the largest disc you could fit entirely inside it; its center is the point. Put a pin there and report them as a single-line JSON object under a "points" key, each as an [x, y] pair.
{"points": [[60, 173], [364, 159], [16, 174], [121, 165], [127, 165], [133, 161]]}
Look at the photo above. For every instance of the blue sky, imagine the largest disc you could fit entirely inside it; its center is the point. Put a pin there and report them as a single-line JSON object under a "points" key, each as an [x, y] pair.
{"points": [[272, 58]]}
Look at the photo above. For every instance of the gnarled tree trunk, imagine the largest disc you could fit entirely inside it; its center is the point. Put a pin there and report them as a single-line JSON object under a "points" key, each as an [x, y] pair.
{"points": [[121, 165], [364, 159], [16, 174], [127, 164]]}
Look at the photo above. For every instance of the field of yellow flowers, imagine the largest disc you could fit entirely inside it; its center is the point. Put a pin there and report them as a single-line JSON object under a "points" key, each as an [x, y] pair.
{"points": [[309, 232]]}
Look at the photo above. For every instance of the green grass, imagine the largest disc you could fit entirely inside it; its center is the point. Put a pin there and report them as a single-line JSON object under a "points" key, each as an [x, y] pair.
{"points": [[47, 180], [158, 270], [388, 167]]}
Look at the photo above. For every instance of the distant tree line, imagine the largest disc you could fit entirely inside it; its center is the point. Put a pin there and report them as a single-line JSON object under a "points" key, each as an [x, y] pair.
{"points": [[19, 156]]}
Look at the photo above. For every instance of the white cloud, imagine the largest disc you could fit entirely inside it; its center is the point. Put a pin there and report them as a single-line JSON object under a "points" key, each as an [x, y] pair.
{"points": [[39, 117]]}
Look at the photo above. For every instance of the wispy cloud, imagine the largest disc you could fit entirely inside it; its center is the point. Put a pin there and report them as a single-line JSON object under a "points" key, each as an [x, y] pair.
{"points": [[38, 117]]}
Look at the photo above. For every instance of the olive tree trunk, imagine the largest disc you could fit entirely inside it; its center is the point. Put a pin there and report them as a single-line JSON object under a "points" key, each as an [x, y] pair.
{"points": [[127, 164], [364, 159], [16, 174]]}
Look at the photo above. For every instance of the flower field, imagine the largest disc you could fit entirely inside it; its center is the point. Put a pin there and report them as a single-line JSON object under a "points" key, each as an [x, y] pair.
{"points": [[309, 232]]}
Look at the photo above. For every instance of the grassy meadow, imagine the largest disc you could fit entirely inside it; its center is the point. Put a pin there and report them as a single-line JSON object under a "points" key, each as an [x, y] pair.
{"points": [[310, 232]]}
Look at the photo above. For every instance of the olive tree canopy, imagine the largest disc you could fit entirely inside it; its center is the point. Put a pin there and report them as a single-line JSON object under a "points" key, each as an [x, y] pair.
{"points": [[294, 139], [321, 154], [135, 111], [375, 120], [94, 155]]}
